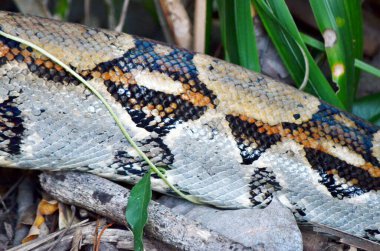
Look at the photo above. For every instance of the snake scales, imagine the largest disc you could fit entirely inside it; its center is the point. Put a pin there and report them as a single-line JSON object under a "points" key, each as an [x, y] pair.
{"points": [[229, 137]]}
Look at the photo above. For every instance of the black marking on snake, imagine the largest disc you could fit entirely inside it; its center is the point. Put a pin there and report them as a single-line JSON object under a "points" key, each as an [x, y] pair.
{"points": [[59, 177], [262, 186], [134, 95], [11, 44], [358, 138], [371, 233], [245, 134], [127, 164], [178, 65], [11, 124], [324, 163], [39, 69]]}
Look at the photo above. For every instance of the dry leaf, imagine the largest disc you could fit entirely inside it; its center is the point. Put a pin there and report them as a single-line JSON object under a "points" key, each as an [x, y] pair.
{"points": [[39, 228]]}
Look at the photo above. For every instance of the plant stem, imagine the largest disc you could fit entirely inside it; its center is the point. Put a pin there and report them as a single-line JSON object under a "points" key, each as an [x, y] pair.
{"points": [[108, 107]]}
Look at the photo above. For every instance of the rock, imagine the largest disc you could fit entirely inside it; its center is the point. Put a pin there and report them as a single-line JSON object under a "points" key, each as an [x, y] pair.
{"points": [[272, 228]]}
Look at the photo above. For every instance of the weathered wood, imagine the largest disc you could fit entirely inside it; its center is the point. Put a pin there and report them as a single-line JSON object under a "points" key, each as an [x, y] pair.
{"points": [[80, 235], [109, 199]]}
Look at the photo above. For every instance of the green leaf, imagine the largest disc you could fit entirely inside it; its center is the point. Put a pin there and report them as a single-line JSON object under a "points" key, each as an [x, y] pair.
{"points": [[312, 42], [238, 33], [62, 8], [150, 7], [358, 63], [284, 34], [137, 209], [341, 23], [368, 68], [368, 108], [227, 27], [246, 38]]}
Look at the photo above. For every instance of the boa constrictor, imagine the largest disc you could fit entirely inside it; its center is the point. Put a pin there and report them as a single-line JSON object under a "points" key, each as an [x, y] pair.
{"points": [[227, 136]]}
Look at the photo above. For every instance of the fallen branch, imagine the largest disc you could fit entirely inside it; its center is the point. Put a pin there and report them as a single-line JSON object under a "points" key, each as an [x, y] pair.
{"points": [[340, 236], [109, 199], [79, 235], [34, 244]]}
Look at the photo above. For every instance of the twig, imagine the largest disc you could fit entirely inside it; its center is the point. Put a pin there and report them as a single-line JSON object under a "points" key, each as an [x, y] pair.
{"points": [[65, 230], [77, 237], [343, 237], [96, 231], [164, 25], [123, 15], [87, 8], [109, 199], [25, 200], [200, 25], [175, 22], [111, 14], [10, 190], [100, 236], [33, 7], [123, 239], [32, 245]]}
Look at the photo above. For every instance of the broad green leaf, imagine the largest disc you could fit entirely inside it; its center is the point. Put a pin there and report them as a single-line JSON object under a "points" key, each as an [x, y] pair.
{"points": [[340, 22], [238, 33], [368, 108], [137, 209], [284, 34]]}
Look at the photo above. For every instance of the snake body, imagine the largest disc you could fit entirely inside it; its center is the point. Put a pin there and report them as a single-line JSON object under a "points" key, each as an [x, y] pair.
{"points": [[227, 136]]}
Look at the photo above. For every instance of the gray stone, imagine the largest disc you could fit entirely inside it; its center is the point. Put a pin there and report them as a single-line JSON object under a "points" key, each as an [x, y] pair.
{"points": [[272, 228]]}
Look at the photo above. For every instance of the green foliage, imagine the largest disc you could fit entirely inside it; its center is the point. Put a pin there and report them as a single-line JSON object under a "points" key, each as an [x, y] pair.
{"points": [[238, 33], [340, 18], [208, 26], [360, 64], [137, 209], [368, 108], [312, 42], [284, 34], [341, 24], [368, 68], [151, 8], [62, 8]]}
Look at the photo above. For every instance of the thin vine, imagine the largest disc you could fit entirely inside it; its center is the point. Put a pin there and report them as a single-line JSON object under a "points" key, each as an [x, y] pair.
{"points": [[108, 107]]}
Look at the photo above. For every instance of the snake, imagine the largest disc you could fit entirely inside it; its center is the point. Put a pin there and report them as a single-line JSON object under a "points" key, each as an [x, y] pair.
{"points": [[224, 135]]}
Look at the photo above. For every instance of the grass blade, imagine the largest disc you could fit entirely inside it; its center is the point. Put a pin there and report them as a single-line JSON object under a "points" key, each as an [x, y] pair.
{"points": [[368, 68], [312, 42], [284, 33], [246, 38], [137, 209], [358, 63], [227, 27], [238, 34], [340, 23], [208, 26]]}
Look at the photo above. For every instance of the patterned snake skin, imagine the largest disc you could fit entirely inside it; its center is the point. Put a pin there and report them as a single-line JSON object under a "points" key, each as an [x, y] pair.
{"points": [[227, 136]]}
